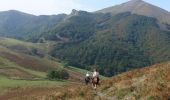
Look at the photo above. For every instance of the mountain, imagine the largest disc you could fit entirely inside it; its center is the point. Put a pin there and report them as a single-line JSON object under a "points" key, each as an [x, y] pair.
{"points": [[141, 8], [113, 44], [77, 26], [114, 40], [21, 25]]}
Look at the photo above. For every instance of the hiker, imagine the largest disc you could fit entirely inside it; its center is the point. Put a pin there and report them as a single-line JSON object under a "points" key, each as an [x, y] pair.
{"points": [[95, 78], [87, 78]]}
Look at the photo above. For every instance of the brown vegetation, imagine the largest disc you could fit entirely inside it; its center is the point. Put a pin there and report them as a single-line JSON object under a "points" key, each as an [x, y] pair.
{"points": [[149, 83]]}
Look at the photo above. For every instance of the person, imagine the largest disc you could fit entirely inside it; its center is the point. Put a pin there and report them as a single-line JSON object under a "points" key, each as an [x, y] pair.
{"points": [[96, 75], [87, 74], [87, 78]]}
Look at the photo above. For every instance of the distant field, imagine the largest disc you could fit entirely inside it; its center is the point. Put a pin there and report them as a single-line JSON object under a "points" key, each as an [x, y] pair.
{"points": [[27, 47], [13, 42]]}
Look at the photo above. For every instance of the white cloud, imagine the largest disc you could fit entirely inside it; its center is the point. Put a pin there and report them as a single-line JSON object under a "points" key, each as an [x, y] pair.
{"points": [[40, 7]]}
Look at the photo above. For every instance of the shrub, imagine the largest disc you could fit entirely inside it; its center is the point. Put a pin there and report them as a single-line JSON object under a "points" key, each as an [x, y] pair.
{"points": [[58, 74]]}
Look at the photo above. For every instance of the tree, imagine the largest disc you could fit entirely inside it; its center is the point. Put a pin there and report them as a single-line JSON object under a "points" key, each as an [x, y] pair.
{"points": [[58, 74]]}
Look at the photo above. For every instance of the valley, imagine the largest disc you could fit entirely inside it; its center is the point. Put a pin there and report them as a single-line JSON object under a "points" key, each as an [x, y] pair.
{"points": [[21, 68], [46, 57]]}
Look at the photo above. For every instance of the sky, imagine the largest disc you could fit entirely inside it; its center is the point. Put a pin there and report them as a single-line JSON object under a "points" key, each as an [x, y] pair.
{"points": [[49, 7]]}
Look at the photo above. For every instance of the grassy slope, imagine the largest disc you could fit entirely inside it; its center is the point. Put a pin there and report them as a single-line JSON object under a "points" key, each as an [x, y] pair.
{"points": [[150, 83], [20, 72], [11, 42], [18, 69], [6, 83], [35, 65], [10, 59], [6, 64], [28, 46]]}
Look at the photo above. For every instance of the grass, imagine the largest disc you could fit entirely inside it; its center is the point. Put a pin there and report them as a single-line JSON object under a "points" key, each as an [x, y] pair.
{"points": [[13, 42], [6, 83], [149, 83], [31, 64], [122, 93], [4, 63]]}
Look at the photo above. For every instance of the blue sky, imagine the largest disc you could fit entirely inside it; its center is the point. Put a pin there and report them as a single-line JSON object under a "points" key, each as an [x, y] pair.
{"points": [[48, 7]]}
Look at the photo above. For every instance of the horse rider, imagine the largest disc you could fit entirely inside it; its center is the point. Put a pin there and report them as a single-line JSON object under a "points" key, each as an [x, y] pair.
{"points": [[96, 75]]}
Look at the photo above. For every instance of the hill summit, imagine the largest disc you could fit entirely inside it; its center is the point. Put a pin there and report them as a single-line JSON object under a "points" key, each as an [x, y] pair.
{"points": [[141, 8]]}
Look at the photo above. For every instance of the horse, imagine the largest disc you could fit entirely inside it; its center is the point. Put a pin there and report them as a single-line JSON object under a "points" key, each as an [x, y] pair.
{"points": [[88, 80], [95, 82]]}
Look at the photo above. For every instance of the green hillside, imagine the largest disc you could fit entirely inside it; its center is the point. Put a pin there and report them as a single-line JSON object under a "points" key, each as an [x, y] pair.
{"points": [[25, 63], [119, 43], [19, 69], [20, 25]]}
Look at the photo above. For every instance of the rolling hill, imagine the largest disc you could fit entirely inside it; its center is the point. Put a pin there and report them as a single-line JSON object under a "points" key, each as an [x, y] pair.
{"points": [[20, 25], [151, 83], [26, 64]]}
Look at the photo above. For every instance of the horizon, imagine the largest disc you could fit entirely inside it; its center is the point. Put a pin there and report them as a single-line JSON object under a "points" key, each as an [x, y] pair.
{"points": [[54, 7]]}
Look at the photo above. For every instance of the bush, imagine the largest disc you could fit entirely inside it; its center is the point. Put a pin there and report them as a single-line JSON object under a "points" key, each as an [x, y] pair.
{"points": [[58, 74]]}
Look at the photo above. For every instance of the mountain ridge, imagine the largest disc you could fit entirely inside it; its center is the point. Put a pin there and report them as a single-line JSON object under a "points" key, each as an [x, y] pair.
{"points": [[21, 25], [140, 7]]}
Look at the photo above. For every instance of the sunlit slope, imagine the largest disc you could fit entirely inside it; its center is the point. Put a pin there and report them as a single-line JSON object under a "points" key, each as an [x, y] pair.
{"points": [[18, 59], [141, 8], [150, 83]]}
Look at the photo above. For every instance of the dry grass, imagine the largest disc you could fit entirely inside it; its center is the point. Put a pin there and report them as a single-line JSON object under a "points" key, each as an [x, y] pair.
{"points": [[72, 91], [150, 83], [140, 84]]}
